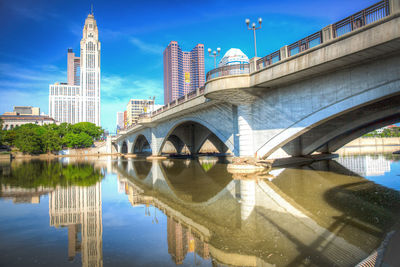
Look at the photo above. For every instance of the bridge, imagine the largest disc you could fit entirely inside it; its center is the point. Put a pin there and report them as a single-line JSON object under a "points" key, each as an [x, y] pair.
{"points": [[314, 95]]}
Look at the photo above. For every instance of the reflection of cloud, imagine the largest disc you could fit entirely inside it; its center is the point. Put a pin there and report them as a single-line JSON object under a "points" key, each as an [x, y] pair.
{"points": [[147, 47]]}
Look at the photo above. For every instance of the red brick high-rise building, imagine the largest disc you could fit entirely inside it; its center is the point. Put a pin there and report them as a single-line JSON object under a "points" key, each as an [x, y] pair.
{"points": [[183, 71]]}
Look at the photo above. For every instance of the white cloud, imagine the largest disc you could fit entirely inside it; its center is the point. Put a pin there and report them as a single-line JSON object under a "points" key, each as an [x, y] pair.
{"points": [[147, 47], [27, 86], [117, 90]]}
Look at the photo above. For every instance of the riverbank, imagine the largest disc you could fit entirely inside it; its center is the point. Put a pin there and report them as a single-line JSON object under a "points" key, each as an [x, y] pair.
{"points": [[370, 145]]}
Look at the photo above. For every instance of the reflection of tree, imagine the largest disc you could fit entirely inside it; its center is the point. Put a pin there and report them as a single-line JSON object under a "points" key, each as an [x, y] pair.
{"points": [[51, 174]]}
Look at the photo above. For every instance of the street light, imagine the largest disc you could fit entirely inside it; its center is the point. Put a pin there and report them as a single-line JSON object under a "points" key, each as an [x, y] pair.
{"points": [[253, 28], [214, 54]]}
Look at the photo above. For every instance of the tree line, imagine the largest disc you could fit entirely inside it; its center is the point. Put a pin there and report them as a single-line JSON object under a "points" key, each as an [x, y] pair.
{"points": [[387, 132], [36, 139]]}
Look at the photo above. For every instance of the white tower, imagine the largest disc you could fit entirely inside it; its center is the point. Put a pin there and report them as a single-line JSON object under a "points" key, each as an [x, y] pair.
{"points": [[90, 73]]}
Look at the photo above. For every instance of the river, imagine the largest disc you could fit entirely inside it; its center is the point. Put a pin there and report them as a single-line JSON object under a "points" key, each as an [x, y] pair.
{"points": [[132, 212]]}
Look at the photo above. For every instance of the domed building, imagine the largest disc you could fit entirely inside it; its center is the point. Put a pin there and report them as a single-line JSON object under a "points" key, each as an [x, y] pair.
{"points": [[232, 57]]}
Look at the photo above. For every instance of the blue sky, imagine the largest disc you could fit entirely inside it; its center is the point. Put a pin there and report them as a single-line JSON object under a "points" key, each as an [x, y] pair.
{"points": [[35, 36]]}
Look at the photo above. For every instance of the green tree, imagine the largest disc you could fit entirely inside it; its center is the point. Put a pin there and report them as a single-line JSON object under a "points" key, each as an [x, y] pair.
{"points": [[9, 137], [85, 140], [71, 140], [51, 139], [80, 140], [87, 127], [28, 139]]}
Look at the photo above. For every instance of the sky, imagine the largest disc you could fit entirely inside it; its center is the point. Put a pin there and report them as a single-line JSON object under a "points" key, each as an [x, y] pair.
{"points": [[35, 36]]}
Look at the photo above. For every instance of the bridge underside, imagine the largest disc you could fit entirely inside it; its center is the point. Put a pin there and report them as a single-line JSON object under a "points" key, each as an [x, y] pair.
{"points": [[191, 138], [332, 134]]}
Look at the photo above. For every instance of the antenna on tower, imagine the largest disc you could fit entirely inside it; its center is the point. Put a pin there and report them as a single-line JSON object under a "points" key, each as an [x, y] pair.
{"points": [[92, 9]]}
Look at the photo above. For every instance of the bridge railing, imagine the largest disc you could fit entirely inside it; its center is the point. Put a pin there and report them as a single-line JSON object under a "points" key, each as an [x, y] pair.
{"points": [[269, 59], [305, 43], [228, 70], [361, 18], [351, 23]]}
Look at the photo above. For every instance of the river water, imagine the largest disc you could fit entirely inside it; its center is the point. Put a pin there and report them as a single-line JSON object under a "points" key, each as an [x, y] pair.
{"points": [[119, 212]]}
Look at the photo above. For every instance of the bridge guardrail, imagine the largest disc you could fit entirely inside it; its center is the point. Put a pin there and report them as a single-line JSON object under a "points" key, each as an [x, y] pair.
{"points": [[305, 43], [228, 70], [351, 23], [361, 18], [269, 59]]}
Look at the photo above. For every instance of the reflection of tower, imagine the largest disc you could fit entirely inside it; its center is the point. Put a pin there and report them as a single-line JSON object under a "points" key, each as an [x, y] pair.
{"points": [[181, 241], [79, 208], [177, 240]]}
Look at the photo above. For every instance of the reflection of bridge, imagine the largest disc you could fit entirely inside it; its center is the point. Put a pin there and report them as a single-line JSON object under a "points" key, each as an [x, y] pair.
{"points": [[79, 208], [243, 219], [314, 95]]}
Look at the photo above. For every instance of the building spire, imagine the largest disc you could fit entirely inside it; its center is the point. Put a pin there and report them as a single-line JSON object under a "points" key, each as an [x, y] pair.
{"points": [[91, 9]]}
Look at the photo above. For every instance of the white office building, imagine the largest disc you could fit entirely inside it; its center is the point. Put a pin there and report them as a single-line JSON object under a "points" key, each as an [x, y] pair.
{"points": [[120, 120], [73, 103]]}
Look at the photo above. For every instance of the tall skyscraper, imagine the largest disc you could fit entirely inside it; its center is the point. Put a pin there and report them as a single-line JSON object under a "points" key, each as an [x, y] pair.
{"points": [[183, 71], [90, 72], [79, 99], [120, 120], [73, 68]]}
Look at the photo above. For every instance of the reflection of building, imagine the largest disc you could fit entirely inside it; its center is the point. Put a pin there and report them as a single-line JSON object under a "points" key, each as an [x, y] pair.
{"points": [[181, 241], [183, 71], [23, 195], [79, 208], [366, 165]]}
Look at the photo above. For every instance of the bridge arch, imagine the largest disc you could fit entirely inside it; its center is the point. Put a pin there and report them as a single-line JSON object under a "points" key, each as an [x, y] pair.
{"points": [[123, 148], [141, 145], [193, 132], [330, 128]]}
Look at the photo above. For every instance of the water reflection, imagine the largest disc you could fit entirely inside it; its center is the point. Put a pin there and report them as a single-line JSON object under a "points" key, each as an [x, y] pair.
{"points": [[74, 200], [324, 213], [321, 214], [79, 209]]}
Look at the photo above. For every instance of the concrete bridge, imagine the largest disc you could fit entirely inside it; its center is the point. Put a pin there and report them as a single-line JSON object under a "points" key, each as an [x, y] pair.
{"points": [[314, 95]]}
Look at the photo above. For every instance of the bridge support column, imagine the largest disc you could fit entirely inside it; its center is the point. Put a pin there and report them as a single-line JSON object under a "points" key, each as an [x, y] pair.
{"points": [[248, 197], [327, 33], [284, 52], [154, 144], [245, 121], [253, 64], [394, 6], [108, 145]]}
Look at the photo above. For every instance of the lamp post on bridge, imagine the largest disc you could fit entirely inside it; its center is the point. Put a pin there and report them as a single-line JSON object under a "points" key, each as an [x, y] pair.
{"points": [[214, 55], [254, 28]]}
